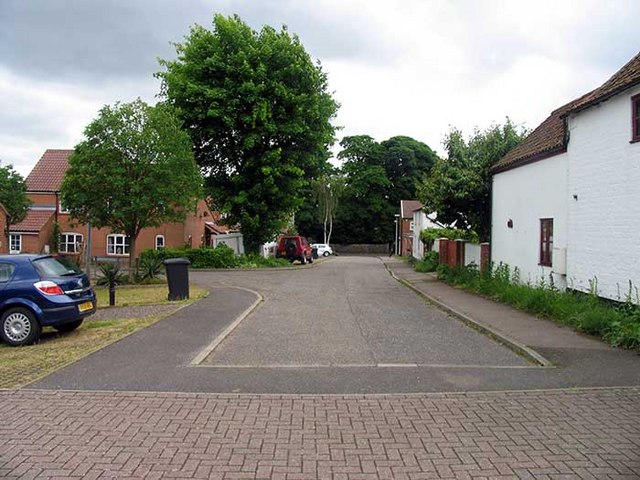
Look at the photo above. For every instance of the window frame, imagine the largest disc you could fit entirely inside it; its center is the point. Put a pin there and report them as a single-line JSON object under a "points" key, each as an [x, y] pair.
{"points": [[66, 243], [159, 247], [546, 242], [13, 236], [635, 118], [120, 240]]}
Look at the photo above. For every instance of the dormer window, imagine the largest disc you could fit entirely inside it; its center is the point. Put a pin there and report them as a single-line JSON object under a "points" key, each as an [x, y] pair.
{"points": [[635, 119]]}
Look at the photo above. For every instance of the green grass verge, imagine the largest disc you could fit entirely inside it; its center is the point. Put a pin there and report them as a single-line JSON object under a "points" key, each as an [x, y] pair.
{"points": [[20, 366], [616, 323]]}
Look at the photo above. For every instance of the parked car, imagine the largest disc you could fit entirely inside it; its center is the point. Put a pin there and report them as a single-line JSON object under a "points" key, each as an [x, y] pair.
{"points": [[38, 291], [323, 249], [294, 247]]}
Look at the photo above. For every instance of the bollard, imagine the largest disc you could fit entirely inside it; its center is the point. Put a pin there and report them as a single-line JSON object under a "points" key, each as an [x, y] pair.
{"points": [[112, 288]]}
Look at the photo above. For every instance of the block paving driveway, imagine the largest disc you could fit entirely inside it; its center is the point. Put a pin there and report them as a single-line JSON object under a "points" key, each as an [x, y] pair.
{"points": [[339, 373]]}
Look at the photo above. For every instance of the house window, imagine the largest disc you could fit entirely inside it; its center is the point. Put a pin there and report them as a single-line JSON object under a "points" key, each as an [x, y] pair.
{"points": [[159, 242], [117, 244], [411, 226], [546, 241], [635, 118], [15, 243], [70, 242]]}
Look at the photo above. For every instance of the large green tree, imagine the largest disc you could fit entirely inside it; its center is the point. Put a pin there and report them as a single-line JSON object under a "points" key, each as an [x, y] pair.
{"points": [[134, 169], [13, 196], [365, 214], [458, 188], [405, 161], [258, 111]]}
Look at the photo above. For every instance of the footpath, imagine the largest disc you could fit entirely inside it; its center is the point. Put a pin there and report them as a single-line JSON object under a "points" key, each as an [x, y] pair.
{"points": [[543, 341]]}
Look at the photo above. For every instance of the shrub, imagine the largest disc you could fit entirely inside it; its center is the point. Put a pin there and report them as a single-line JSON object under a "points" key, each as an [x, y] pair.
{"points": [[428, 235], [429, 263], [149, 268], [105, 269], [219, 257]]}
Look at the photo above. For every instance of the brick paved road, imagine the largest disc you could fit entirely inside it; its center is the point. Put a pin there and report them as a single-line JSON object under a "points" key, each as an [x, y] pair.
{"points": [[537, 434]]}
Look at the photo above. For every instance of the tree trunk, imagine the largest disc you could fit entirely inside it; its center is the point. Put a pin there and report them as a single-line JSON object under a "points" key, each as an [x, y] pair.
{"points": [[132, 258]]}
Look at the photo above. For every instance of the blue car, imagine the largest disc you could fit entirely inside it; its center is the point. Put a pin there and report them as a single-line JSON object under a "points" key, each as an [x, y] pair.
{"points": [[38, 291]]}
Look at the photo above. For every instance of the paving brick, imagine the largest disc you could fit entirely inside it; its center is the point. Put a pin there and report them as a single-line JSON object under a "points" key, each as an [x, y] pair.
{"points": [[585, 434]]}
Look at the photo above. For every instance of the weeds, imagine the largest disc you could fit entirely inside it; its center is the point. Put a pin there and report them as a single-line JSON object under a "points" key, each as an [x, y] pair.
{"points": [[616, 323]]}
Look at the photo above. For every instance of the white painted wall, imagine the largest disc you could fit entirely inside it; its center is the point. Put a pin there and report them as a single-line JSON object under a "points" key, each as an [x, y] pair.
{"points": [[472, 253], [525, 195], [420, 222], [231, 240], [604, 220]]}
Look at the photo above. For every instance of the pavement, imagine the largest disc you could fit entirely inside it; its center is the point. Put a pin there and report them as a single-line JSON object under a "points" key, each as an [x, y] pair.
{"points": [[142, 408], [543, 341]]}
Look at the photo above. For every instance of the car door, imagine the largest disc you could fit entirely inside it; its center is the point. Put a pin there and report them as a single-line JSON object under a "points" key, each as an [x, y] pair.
{"points": [[6, 272]]}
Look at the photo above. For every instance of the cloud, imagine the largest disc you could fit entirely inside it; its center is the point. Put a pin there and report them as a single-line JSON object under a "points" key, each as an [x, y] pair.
{"points": [[410, 67]]}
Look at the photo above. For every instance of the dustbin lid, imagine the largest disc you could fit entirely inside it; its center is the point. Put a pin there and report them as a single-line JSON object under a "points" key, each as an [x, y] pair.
{"points": [[177, 261]]}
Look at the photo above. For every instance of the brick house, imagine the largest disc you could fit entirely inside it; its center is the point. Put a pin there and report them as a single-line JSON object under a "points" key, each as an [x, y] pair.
{"points": [[565, 201], [34, 233], [406, 227]]}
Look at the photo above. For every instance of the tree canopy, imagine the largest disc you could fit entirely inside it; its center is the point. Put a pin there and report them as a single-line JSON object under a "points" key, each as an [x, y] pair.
{"points": [[458, 188], [365, 215], [134, 169], [258, 112], [377, 176], [13, 196]]}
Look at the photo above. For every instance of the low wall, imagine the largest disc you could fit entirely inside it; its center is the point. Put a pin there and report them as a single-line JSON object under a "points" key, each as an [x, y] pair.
{"points": [[361, 249], [457, 253]]}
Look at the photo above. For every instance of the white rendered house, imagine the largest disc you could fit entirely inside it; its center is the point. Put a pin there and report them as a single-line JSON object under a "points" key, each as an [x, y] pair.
{"points": [[421, 221], [566, 201]]}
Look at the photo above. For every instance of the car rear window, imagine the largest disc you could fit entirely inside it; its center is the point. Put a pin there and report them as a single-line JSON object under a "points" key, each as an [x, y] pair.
{"points": [[50, 267], [6, 271]]}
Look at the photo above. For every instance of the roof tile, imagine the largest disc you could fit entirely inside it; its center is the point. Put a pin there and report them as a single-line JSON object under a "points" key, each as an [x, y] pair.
{"points": [[34, 221], [550, 137], [48, 173]]}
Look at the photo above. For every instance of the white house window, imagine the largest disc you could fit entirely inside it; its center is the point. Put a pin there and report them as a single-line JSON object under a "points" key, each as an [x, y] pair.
{"points": [[117, 244], [61, 208], [411, 226], [159, 242], [15, 243], [70, 242]]}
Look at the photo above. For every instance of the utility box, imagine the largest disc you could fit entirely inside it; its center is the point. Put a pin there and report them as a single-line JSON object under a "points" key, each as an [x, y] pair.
{"points": [[177, 277]]}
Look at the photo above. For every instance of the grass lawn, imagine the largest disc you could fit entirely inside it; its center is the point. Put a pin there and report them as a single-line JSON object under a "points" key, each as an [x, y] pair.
{"points": [[20, 366], [140, 295]]}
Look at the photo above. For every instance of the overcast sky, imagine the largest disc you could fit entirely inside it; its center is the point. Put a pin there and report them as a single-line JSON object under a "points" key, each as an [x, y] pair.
{"points": [[397, 67]]}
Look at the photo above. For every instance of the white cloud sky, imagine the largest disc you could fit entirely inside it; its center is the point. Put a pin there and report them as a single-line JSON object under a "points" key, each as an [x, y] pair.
{"points": [[397, 67]]}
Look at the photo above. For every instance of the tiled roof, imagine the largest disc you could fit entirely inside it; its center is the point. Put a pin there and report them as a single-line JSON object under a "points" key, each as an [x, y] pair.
{"points": [[407, 207], [628, 76], [218, 229], [35, 220], [550, 137], [49, 172]]}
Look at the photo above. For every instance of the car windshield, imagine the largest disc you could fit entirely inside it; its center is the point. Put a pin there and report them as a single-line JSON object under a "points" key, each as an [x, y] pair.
{"points": [[50, 267]]}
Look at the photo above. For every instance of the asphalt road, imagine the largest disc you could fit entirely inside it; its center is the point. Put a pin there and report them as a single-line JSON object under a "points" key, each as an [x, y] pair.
{"points": [[350, 312], [343, 326]]}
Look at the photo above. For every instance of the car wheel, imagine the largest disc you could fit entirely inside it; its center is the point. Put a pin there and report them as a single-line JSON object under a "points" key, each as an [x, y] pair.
{"points": [[19, 327], [311, 259], [68, 327], [303, 260], [325, 254]]}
